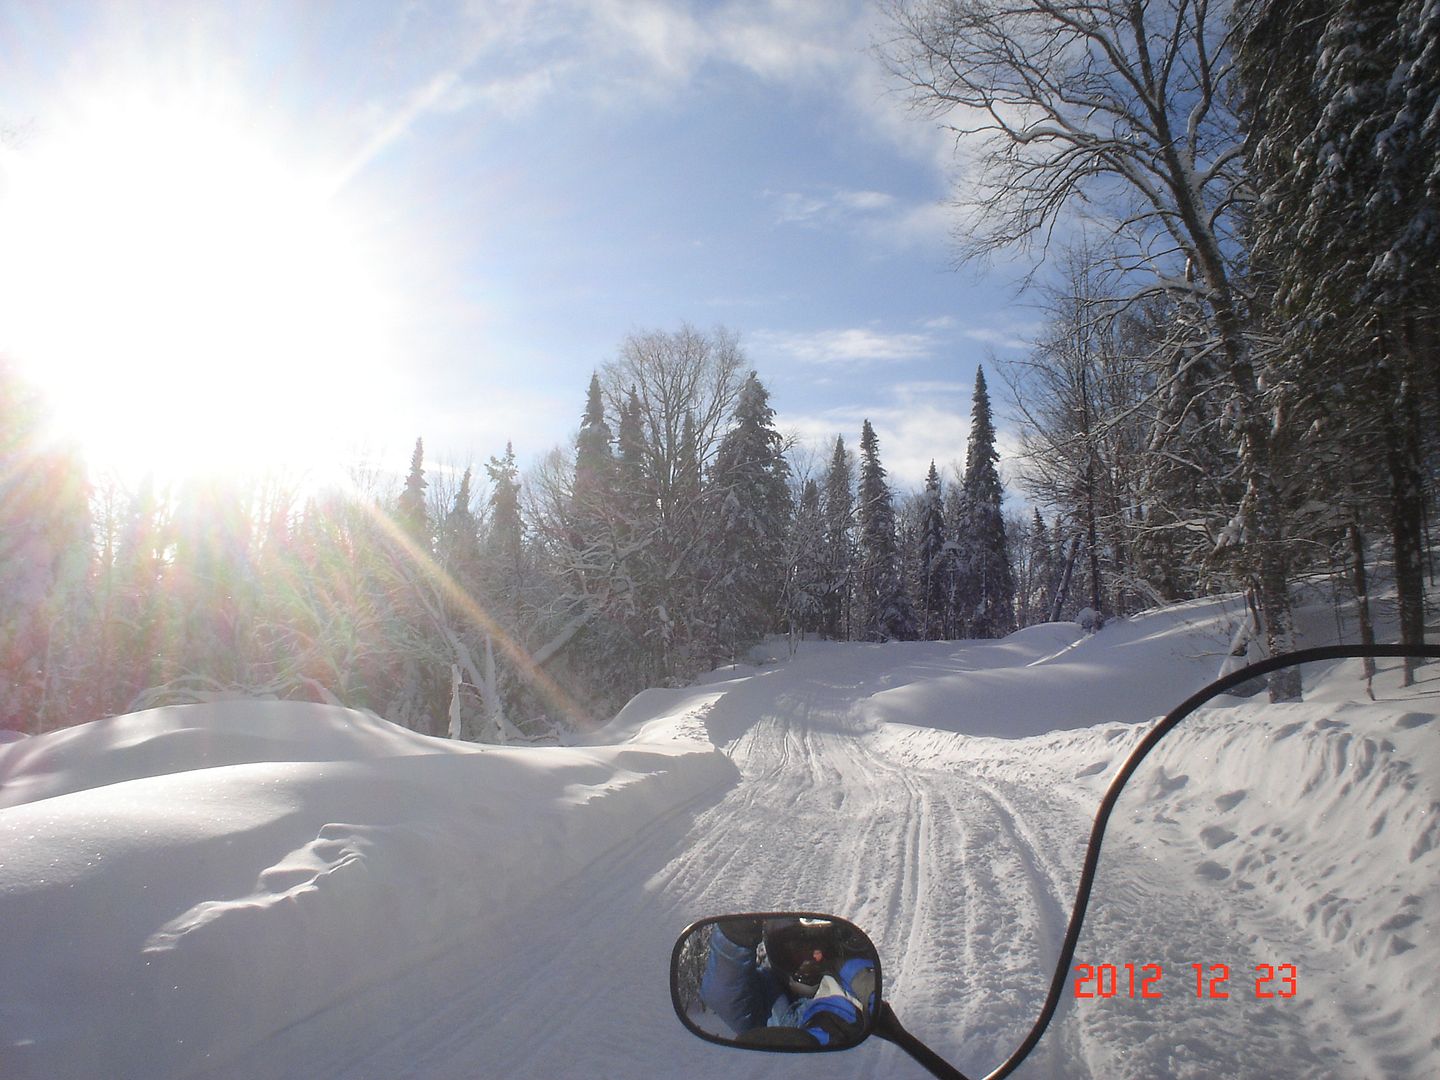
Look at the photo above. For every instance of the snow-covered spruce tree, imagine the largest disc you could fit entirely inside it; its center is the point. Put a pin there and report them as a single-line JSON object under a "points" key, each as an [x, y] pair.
{"points": [[956, 514], [751, 478], [1344, 102], [838, 553], [933, 559], [1185, 472], [594, 459], [1127, 105], [883, 608], [638, 604], [410, 512], [987, 588], [498, 631], [503, 547], [805, 581], [1029, 544], [457, 548], [577, 598]]}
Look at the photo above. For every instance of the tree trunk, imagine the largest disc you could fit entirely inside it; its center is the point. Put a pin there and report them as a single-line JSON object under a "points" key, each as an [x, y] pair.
{"points": [[1407, 500], [1362, 596], [1062, 591]]}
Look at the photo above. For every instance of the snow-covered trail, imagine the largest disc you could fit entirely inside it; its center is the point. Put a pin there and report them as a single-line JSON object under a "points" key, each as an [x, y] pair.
{"points": [[961, 867], [941, 870], [395, 906]]}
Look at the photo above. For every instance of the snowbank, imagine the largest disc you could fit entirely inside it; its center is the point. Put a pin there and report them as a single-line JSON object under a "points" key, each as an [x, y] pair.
{"points": [[178, 884]]}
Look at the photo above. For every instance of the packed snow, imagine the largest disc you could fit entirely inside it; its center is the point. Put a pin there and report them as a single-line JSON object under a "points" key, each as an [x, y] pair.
{"points": [[278, 889]]}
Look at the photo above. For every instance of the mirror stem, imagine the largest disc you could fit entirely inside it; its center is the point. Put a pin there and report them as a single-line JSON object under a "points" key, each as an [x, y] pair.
{"points": [[887, 1027]]}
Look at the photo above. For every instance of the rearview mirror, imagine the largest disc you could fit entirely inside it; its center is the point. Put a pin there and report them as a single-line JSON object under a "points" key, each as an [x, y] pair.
{"points": [[788, 981]]}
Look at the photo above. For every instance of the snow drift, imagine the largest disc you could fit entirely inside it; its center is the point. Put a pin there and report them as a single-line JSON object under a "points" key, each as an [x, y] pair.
{"points": [[180, 883]]}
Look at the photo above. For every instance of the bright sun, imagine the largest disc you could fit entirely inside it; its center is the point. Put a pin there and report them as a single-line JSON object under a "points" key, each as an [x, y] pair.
{"points": [[186, 299]]}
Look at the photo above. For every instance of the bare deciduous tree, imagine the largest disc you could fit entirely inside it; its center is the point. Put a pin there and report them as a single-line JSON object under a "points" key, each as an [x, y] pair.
{"points": [[1122, 105]]}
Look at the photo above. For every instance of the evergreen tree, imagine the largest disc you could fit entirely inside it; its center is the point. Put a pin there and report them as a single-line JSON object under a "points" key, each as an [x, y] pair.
{"points": [[458, 546], [884, 609], [1042, 571], [634, 489], [594, 461], [838, 551], [410, 512], [933, 560], [505, 537], [987, 586], [956, 618], [754, 492], [1344, 99], [805, 587]]}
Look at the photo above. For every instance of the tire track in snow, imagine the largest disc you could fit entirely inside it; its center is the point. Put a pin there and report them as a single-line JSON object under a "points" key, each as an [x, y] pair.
{"points": [[932, 865]]}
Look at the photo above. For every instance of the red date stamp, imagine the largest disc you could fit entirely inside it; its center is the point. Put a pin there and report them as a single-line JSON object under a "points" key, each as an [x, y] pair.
{"points": [[1214, 981]]}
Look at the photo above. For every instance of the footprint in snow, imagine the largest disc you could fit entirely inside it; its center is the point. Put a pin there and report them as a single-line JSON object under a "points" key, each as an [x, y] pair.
{"points": [[1231, 800], [1211, 871], [1213, 836]]}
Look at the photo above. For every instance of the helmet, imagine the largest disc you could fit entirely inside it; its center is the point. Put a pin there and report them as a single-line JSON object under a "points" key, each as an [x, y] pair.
{"points": [[803, 950]]}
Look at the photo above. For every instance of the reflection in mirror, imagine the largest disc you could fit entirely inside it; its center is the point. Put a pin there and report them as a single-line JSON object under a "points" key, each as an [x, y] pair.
{"points": [[791, 981]]}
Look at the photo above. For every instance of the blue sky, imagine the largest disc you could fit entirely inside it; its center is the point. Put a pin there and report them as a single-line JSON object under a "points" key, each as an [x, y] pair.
{"points": [[516, 186]]}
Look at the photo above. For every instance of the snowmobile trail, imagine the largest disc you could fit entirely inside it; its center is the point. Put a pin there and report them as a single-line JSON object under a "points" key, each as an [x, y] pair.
{"points": [[821, 819], [961, 865]]}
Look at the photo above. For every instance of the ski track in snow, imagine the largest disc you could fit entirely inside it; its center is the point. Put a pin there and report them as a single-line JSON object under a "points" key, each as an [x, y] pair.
{"points": [[822, 820], [831, 815]]}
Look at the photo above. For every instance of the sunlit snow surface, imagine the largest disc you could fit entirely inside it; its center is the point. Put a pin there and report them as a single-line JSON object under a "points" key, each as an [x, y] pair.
{"points": [[277, 889]]}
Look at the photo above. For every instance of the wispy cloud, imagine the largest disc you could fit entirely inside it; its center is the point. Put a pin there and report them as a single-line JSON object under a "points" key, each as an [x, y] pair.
{"points": [[823, 207], [514, 55], [852, 345], [1001, 338], [913, 429], [916, 423]]}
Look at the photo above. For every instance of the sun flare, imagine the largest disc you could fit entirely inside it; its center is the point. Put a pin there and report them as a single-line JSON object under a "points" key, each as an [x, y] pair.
{"points": [[187, 299]]}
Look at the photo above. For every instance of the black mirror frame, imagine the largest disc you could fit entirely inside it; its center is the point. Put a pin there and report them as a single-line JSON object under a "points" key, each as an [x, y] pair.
{"points": [[871, 1015]]}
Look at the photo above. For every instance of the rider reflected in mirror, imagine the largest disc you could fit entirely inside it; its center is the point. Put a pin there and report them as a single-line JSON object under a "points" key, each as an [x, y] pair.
{"points": [[790, 982]]}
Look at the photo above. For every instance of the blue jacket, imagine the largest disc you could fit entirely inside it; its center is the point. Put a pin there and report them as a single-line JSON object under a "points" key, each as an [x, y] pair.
{"points": [[736, 988], [747, 996]]}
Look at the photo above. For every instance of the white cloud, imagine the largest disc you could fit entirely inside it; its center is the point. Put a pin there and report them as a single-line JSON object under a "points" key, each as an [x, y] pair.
{"points": [[835, 205], [916, 422], [1005, 339], [911, 434], [845, 346]]}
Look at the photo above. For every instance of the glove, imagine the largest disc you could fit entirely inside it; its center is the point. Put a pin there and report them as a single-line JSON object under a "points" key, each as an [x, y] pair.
{"points": [[743, 932], [834, 1021]]}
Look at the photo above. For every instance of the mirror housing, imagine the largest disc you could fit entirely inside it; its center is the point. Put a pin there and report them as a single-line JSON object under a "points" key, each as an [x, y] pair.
{"points": [[787, 981]]}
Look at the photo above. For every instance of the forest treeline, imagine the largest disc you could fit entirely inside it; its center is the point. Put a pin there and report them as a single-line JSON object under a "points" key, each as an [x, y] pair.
{"points": [[670, 537], [1237, 383]]}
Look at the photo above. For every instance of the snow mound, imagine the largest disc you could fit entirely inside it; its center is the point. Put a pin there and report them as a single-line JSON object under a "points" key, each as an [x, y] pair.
{"points": [[1055, 676], [182, 883], [182, 738]]}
